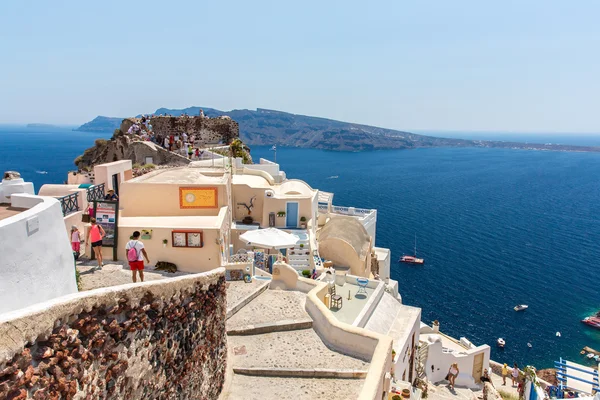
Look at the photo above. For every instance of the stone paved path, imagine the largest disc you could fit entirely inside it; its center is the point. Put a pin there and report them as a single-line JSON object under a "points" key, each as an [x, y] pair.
{"points": [[252, 387], [277, 352], [270, 306], [291, 349], [114, 273]]}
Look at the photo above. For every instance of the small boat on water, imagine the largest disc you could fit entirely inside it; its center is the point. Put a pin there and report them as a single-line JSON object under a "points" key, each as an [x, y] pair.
{"points": [[590, 355], [501, 343], [594, 322], [521, 307], [412, 259]]}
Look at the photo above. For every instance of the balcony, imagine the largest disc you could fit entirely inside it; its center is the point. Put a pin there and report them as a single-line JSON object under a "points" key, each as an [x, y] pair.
{"points": [[69, 203]]}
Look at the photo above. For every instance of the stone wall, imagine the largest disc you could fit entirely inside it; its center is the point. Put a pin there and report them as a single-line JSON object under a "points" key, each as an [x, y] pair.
{"points": [[207, 130], [157, 340]]}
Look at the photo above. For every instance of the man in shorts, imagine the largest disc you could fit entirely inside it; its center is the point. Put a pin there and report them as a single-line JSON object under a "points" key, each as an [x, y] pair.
{"points": [[135, 255]]}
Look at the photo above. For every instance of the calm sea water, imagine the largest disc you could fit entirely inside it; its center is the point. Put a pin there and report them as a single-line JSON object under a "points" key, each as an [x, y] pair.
{"points": [[496, 228]]}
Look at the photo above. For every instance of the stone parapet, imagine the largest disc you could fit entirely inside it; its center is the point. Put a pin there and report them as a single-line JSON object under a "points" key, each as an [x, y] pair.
{"points": [[161, 339]]}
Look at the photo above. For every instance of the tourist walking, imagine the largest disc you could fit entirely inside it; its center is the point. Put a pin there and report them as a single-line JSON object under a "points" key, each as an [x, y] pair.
{"points": [[96, 233], [190, 151], [504, 373], [452, 374], [75, 241], [515, 374], [135, 255]]}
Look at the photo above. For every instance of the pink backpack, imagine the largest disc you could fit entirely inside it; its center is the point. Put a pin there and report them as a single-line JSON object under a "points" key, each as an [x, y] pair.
{"points": [[132, 253]]}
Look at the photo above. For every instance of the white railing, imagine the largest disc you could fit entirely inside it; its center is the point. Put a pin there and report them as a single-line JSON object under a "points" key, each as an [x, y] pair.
{"points": [[362, 213], [239, 259]]}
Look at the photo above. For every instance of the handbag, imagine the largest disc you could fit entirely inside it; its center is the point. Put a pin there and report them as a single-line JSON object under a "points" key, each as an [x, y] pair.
{"points": [[447, 376]]}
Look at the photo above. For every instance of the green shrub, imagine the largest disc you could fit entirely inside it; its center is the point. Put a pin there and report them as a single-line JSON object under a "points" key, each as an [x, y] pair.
{"points": [[137, 166], [302, 219], [396, 397], [100, 142], [149, 166], [77, 160], [301, 245], [306, 273]]}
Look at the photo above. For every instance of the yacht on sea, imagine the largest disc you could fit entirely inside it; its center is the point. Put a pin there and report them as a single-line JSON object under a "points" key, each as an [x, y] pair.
{"points": [[593, 320], [412, 259], [521, 307]]}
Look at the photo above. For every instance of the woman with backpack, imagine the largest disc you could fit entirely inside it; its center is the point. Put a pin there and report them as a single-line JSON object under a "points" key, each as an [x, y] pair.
{"points": [[135, 255]]}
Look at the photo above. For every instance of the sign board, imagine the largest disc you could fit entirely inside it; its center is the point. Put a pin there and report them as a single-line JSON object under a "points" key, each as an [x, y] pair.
{"points": [[107, 216], [198, 197]]}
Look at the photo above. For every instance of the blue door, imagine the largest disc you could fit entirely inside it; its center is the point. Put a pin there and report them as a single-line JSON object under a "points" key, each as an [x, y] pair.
{"points": [[291, 213]]}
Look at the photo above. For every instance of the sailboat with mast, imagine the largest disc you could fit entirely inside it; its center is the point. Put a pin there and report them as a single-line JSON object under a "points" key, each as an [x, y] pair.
{"points": [[412, 259]]}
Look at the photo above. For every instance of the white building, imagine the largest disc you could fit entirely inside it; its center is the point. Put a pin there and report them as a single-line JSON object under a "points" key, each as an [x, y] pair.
{"points": [[36, 260]]}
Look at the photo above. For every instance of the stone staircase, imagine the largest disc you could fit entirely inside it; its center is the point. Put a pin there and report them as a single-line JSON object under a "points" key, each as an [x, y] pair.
{"points": [[422, 360], [300, 260], [274, 352], [443, 392]]}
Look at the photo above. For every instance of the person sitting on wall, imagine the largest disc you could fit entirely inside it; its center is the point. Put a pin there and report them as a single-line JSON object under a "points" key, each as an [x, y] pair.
{"points": [[111, 195]]}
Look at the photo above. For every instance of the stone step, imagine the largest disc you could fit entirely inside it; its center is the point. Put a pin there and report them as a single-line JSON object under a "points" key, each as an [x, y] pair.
{"points": [[245, 387], [243, 302], [279, 326], [301, 372]]}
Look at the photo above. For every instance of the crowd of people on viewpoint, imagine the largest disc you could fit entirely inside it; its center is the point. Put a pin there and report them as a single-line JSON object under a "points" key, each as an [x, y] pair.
{"points": [[182, 143]]}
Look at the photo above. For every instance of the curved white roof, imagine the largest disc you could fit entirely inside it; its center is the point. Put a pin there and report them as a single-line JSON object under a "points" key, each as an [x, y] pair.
{"points": [[294, 186]]}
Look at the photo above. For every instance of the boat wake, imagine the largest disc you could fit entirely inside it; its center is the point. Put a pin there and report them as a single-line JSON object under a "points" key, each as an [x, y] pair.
{"points": [[333, 177], [41, 172]]}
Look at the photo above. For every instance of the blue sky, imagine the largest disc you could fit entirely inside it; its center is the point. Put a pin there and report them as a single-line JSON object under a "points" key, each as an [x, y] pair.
{"points": [[419, 65]]}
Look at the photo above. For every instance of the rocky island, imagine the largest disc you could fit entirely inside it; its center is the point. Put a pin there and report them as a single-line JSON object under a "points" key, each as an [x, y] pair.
{"points": [[271, 127]]}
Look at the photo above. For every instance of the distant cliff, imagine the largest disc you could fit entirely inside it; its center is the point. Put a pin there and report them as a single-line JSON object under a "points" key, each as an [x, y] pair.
{"points": [[270, 127], [101, 124]]}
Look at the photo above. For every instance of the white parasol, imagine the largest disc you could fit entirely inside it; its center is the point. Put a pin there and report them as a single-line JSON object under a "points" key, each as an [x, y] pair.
{"points": [[271, 238]]}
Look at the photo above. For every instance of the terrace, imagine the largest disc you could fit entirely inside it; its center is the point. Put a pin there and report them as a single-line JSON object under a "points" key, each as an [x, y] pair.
{"points": [[367, 217], [358, 302], [7, 211]]}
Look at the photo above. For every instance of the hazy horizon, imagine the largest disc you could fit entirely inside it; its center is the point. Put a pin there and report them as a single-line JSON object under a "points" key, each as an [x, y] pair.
{"points": [[460, 66]]}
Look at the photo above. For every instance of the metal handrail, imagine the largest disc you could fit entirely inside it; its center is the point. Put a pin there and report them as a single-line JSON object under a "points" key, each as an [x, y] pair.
{"points": [[95, 192], [69, 203]]}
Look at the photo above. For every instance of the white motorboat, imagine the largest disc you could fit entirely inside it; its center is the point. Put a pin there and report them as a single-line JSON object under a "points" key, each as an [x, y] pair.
{"points": [[500, 342], [521, 307]]}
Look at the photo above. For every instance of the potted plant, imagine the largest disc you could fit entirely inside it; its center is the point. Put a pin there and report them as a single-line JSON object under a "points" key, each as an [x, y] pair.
{"points": [[301, 245], [306, 273], [281, 213], [165, 241], [303, 222]]}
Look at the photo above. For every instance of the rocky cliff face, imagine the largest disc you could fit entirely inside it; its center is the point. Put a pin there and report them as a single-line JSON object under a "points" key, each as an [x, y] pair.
{"points": [[124, 146], [127, 147]]}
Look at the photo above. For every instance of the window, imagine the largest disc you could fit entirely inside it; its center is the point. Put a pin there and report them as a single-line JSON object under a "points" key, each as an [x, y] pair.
{"points": [[188, 239]]}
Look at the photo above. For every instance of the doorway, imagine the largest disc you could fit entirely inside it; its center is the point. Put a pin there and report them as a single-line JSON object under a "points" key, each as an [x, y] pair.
{"points": [[291, 212], [115, 183], [478, 367]]}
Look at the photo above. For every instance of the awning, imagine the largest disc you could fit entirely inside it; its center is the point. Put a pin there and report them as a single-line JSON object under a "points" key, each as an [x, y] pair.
{"points": [[270, 238]]}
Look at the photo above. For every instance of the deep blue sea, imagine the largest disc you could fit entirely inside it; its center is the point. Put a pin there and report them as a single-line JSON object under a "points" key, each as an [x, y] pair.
{"points": [[496, 227]]}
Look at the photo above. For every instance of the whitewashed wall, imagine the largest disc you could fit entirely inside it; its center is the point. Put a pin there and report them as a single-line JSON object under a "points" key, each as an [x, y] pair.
{"points": [[36, 261]]}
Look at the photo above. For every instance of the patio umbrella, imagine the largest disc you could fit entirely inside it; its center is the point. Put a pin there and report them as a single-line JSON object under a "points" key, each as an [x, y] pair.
{"points": [[271, 238]]}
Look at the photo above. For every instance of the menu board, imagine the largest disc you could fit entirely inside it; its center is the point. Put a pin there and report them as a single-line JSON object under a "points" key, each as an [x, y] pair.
{"points": [[179, 239], [187, 239], [105, 213]]}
